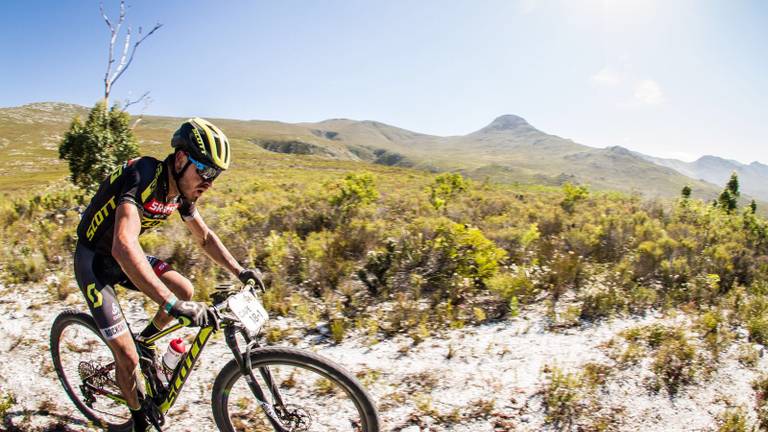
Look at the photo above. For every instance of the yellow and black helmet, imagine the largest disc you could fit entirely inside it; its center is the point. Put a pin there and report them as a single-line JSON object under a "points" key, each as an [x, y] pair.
{"points": [[204, 142]]}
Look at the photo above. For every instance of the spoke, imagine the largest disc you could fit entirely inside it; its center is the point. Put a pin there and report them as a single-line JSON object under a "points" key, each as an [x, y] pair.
{"points": [[88, 367], [311, 402]]}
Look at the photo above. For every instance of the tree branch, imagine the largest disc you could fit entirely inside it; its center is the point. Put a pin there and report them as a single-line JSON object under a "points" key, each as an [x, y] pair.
{"points": [[114, 30], [124, 56], [119, 71], [130, 102]]}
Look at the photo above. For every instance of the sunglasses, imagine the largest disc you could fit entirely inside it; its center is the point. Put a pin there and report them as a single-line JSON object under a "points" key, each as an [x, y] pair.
{"points": [[208, 173]]}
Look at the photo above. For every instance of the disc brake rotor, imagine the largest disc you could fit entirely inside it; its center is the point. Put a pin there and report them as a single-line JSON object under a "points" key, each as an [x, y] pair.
{"points": [[295, 418]]}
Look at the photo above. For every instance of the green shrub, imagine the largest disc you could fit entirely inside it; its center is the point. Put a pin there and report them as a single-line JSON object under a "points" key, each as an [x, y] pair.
{"points": [[566, 271], [376, 271], [595, 375], [675, 360], [714, 330], [600, 302], [355, 191], [337, 329], [25, 266], [760, 386], [446, 187], [675, 363], [733, 420], [573, 194], [748, 355], [757, 319], [562, 398], [7, 401], [513, 287], [475, 256], [326, 264]]}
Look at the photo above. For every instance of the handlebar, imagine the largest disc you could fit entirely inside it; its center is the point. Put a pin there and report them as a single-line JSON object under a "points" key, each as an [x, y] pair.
{"points": [[222, 295]]}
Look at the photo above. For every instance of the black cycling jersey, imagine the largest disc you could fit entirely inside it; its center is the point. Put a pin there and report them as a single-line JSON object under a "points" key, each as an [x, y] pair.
{"points": [[142, 181]]}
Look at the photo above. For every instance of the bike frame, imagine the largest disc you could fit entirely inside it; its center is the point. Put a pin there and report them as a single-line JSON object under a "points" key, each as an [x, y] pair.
{"points": [[176, 382], [180, 375], [167, 397]]}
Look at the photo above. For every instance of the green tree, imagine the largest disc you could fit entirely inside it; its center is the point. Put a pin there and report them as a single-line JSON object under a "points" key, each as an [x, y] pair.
{"points": [[753, 207], [728, 199], [686, 192], [446, 187], [733, 185], [95, 148]]}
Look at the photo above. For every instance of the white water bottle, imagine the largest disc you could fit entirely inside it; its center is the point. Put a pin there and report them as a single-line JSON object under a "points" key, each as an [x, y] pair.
{"points": [[173, 354]]}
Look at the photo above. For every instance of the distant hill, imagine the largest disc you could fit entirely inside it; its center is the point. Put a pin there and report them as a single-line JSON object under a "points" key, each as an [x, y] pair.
{"points": [[508, 149], [29, 140], [753, 178]]}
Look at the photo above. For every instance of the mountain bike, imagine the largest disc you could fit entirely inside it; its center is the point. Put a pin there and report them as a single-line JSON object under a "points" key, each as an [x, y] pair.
{"points": [[263, 388]]}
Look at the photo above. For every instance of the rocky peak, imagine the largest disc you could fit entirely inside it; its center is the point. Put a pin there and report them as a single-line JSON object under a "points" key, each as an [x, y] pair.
{"points": [[506, 122], [619, 150]]}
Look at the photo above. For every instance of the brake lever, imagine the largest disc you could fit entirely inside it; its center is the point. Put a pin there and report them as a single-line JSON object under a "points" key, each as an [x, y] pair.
{"points": [[251, 284]]}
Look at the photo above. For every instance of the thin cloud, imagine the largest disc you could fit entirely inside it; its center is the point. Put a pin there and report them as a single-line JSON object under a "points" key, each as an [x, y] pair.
{"points": [[528, 6], [649, 92], [607, 77]]}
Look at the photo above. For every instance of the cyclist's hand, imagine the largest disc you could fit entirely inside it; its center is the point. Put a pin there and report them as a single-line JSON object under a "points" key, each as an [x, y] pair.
{"points": [[251, 274], [194, 314]]}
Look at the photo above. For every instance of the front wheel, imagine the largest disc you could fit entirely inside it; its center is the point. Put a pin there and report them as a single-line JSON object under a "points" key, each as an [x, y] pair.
{"points": [[307, 393]]}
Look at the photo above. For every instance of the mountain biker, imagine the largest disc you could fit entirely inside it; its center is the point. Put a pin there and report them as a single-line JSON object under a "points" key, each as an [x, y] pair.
{"points": [[139, 195]]}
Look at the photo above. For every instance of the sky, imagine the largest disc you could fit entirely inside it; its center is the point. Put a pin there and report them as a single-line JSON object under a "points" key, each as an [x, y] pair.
{"points": [[675, 78]]}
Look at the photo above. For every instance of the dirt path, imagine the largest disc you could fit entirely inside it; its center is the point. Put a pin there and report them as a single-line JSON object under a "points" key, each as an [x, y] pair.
{"points": [[476, 379]]}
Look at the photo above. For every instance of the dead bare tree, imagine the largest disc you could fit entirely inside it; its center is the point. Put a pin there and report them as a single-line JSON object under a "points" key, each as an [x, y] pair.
{"points": [[129, 102], [125, 58], [147, 101]]}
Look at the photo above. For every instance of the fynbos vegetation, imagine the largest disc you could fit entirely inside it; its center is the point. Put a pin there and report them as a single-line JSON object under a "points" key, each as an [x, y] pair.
{"points": [[367, 251], [341, 244]]}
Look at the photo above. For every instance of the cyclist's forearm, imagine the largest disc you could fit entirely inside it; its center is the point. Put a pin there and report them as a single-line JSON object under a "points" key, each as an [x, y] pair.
{"points": [[134, 263], [216, 250]]}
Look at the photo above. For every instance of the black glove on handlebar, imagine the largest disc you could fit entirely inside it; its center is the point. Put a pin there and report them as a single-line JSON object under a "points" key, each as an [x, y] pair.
{"points": [[194, 314], [248, 274]]}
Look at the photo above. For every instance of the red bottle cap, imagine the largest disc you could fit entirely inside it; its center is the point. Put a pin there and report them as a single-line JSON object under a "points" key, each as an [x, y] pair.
{"points": [[178, 345]]}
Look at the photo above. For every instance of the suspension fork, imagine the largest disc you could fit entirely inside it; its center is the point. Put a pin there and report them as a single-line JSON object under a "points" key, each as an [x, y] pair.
{"points": [[244, 362]]}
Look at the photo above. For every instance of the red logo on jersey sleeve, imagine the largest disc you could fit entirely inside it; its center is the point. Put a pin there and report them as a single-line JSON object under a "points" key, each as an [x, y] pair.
{"points": [[156, 207]]}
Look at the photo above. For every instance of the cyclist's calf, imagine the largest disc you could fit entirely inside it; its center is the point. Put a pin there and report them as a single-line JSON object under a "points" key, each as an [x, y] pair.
{"points": [[126, 367]]}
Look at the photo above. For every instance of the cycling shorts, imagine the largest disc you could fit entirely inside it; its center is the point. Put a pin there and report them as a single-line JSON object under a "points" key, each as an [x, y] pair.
{"points": [[96, 275]]}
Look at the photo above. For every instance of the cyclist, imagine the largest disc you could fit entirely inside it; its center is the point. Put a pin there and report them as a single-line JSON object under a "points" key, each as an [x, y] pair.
{"points": [[139, 195]]}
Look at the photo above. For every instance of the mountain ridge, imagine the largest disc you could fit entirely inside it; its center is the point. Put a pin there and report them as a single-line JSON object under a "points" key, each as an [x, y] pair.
{"points": [[753, 177], [508, 149]]}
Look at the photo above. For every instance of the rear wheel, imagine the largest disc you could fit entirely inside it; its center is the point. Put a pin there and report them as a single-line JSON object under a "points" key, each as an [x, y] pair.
{"points": [[316, 395], [86, 369]]}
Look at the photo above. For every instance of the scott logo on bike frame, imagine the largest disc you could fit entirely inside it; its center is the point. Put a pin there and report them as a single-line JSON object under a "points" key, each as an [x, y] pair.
{"points": [[189, 361]]}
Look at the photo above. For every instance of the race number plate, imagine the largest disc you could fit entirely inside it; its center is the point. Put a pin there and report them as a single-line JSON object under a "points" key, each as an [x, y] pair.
{"points": [[249, 310]]}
